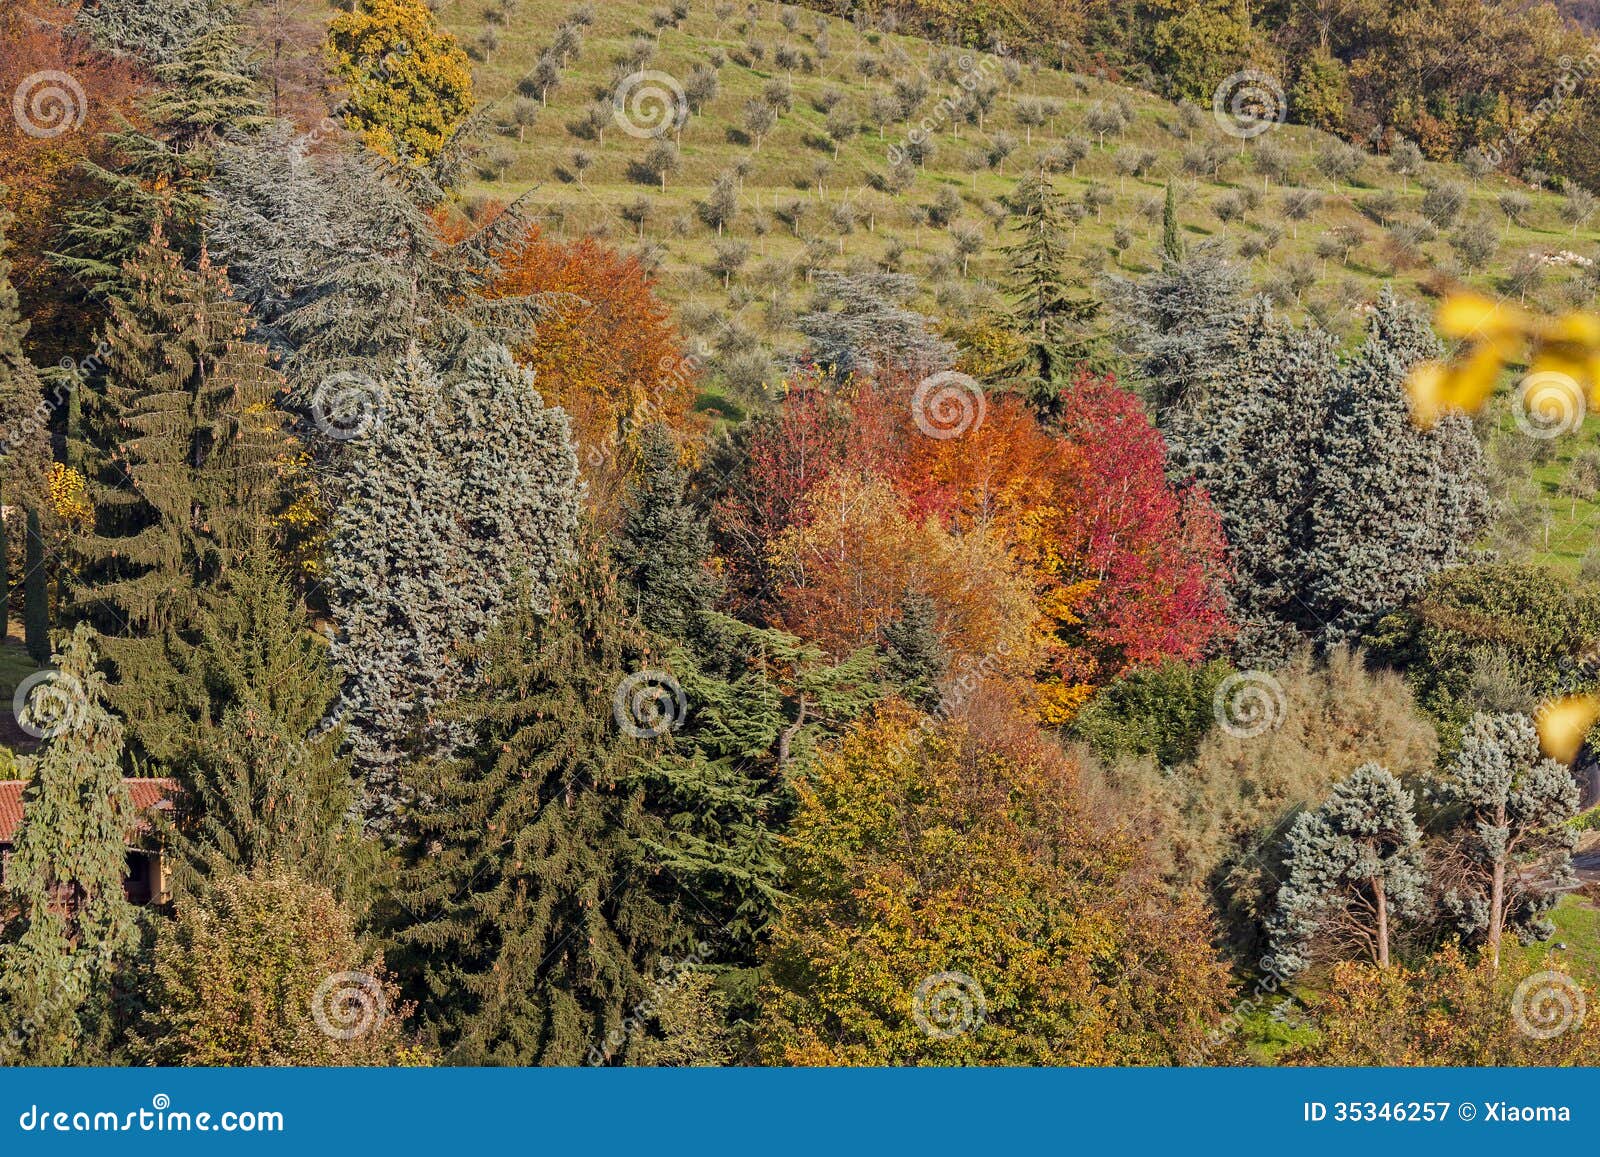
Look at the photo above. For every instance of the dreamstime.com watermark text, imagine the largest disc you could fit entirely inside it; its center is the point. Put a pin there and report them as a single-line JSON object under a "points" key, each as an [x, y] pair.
{"points": [[159, 1117]]}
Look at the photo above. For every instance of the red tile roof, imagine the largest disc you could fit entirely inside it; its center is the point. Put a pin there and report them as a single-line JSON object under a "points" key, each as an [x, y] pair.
{"points": [[145, 793]]}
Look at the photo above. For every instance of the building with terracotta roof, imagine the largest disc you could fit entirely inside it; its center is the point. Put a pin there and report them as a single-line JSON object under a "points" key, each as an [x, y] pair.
{"points": [[147, 880]]}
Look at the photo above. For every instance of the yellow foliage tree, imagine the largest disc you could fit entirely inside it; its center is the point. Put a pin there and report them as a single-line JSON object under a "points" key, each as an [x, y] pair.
{"points": [[410, 82]]}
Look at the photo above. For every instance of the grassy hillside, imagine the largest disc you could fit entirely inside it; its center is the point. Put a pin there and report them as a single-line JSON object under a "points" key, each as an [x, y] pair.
{"points": [[1319, 240]]}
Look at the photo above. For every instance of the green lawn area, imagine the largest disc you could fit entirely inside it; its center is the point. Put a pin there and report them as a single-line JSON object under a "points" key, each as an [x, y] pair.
{"points": [[1578, 928], [15, 666]]}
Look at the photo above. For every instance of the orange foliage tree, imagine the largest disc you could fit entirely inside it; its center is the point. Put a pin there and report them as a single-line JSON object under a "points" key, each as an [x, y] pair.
{"points": [[607, 352], [71, 94]]}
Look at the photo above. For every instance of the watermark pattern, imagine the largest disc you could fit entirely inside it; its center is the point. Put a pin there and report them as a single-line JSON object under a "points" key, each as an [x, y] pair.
{"points": [[1549, 404], [649, 104], [1573, 75], [1266, 988], [948, 404], [948, 1004], [49, 103], [648, 704], [49, 703], [347, 405], [1248, 103], [973, 73], [670, 978], [1547, 1004], [1248, 704], [348, 1005]]}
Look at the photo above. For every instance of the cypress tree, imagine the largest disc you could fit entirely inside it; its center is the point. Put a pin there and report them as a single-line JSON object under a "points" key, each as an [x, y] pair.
{"points": [[465, 487], [64, 877], [35, 593], [532, 917], [1171, 238], [1509, 850], [188, 472]]}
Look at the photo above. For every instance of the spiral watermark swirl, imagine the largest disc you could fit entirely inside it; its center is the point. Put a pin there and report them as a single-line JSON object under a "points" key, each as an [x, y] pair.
{"points": [[648, 704], [947, 1004], [49, 103], [346, 405], [348, 1005], [649, 104], [1248, 103], [1548, 405], [48, 703], [1547, 1004], [1248, 703], [948, 404]]}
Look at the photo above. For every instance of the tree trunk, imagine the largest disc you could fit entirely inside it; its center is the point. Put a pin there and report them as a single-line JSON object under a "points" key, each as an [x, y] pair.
{"points": [[1383, 923]]}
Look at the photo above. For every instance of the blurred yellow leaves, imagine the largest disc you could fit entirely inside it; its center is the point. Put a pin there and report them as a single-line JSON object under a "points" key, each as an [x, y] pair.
{"points": [[1499, 333], [69, 495], [1563, 355]]}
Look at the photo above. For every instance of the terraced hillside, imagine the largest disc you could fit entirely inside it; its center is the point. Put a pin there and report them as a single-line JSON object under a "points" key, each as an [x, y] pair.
{"points": [[786, 165]]}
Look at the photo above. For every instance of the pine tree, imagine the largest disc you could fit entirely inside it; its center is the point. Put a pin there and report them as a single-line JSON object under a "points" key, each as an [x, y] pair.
{"points": [[1354, 869], [205, 92], [262, 780], [465, 486], [663, 552], [1509, 850], [1052, 312], [916, 654], [64, 876], [154, 30], [531, 915], [188, 471]]}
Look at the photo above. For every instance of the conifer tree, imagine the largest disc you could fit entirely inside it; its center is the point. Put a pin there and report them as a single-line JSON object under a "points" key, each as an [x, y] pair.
{"points": [[262, 780], [463, 487], [1052, 312], [1393, 504], [1509, 853], [64, 876], [1171, 238], [916, 654], [663, 550], [531, 917], [159, 182], [859, 324], [188, 471], [24, 432], [1354, 869], [35, 592]]}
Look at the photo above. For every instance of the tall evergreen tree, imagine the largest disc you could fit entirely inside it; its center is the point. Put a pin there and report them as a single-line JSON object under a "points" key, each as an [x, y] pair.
{"points": [[64, 877], [205, 92], [464, 487], [1393, 504], [859, 324], [1178, 323], [188, 471], [1354, 869], [531, 916], [152, 30], [663, 551], [263, 784], [24, 426], [1053, 312], [35, 591], [1509, 853], [1171, 238], [916, 654]]}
